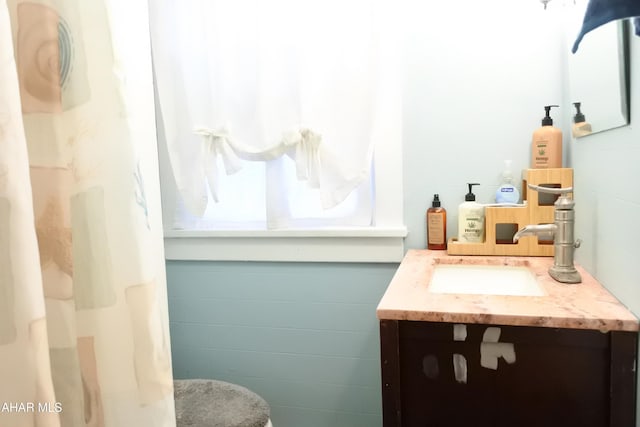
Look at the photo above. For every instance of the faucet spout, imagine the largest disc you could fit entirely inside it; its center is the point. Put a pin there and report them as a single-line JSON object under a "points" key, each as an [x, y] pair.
{"points": [[546, 230]]}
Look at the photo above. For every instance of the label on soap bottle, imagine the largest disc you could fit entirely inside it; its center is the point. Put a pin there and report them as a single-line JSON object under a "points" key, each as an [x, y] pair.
{"points": [[471, 224], [541, 160], [435, 229], [473, 230]]}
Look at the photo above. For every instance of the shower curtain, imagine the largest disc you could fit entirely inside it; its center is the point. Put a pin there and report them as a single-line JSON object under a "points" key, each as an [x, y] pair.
{"points": [[84, 337]]}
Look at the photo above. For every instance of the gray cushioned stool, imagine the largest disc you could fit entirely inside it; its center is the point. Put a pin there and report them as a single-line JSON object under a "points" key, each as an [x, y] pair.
{"points": [[211, 403]]}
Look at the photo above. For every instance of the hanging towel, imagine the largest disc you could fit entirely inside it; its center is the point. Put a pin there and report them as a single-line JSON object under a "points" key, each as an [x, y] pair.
{"points": [[599, 12]]}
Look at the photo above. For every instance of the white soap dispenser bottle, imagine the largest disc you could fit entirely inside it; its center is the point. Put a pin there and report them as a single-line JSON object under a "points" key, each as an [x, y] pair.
{"points": [[470, 219]]}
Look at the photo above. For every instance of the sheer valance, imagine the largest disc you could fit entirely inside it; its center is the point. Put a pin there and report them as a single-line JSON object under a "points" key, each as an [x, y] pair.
{"points": [[255, 80]]}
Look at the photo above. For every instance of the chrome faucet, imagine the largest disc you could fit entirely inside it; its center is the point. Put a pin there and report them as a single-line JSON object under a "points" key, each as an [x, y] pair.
{"points": [[563, 269]]}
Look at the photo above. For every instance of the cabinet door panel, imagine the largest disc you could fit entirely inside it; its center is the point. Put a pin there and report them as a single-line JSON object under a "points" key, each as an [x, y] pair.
{"points": [[554, 378]]}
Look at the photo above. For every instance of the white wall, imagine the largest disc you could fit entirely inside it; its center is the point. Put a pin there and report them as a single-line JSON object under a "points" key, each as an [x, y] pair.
{"points": [[478, 76]]}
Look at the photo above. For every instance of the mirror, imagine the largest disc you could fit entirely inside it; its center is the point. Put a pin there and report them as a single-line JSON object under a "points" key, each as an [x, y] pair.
{"points": [[599, 76]]}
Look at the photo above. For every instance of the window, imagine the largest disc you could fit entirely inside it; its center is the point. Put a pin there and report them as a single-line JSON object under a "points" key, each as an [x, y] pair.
{"points": [[281, 125], [246, 200]]}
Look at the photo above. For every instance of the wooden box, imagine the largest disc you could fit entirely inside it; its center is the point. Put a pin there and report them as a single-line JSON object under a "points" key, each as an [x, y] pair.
{"points": [[498, 220]]}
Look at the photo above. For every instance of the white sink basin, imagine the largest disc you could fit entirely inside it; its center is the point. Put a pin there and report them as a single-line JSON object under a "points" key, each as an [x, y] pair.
{"points": [[484, 280]]}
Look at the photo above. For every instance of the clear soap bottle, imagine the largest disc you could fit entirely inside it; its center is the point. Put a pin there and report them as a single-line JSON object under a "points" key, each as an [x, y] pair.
{"points": [[436, 225], [507, 192]]}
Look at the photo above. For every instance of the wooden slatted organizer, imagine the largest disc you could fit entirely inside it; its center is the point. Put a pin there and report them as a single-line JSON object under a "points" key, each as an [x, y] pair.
{"points": [[538, 210]]}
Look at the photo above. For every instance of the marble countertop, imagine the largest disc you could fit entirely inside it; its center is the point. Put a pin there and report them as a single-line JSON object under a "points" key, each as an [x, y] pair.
{"points": [[586, 305]]}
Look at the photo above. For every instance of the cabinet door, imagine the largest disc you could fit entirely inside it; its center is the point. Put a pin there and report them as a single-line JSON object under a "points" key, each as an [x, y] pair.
{"points": [[501, 376]]}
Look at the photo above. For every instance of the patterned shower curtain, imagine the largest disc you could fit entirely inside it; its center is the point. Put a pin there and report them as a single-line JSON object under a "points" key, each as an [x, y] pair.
{"points": [[84, 335]]}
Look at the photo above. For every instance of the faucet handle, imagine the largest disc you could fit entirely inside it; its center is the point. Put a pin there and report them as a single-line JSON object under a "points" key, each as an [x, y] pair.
{"points": [[563, 202], [551, 190]]}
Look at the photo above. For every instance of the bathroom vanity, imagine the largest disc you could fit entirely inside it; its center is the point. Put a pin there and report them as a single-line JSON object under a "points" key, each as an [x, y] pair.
{"points": [[502, 355]]}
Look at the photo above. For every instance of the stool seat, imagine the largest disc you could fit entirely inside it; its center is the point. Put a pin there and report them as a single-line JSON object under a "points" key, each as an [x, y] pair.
{"points": [[212, 403]]}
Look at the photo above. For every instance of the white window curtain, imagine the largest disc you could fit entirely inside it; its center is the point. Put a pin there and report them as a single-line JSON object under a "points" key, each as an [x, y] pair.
{"points": [[255, 80]]}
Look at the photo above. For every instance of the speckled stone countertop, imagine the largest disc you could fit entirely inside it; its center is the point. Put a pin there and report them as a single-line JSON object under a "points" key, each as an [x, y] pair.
{"points": [[586, 305]]}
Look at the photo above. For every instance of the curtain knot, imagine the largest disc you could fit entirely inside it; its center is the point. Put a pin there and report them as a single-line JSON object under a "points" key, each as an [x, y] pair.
{"points": [[221, 133], [311, 139], [217, 143], [307, 154]]}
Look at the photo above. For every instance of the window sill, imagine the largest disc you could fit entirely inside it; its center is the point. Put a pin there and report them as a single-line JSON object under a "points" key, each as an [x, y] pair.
{"points": [[317, 245]]}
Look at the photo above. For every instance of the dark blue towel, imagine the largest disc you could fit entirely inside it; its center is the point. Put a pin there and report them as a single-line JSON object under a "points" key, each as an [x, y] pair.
{"points": [[599, 12]]}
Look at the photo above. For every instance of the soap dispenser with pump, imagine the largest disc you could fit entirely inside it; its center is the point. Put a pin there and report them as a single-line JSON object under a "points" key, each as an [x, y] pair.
{"points": [[546, 144], [507, 193], [580, 125], [470, 219], [436, 225]]}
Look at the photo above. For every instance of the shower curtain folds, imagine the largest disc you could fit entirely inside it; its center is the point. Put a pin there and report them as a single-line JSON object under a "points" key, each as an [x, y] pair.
{"points": [[84, 337]]}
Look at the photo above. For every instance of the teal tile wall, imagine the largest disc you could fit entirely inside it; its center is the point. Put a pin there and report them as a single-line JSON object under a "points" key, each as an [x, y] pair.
{"points": [[302, 335]]}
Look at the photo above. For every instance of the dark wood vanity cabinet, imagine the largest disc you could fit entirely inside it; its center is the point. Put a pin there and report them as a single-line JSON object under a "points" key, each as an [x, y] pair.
{"points": [[557, 377]]}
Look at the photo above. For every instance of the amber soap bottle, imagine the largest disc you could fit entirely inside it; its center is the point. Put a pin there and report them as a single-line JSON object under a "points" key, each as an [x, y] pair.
{"points": [[546, 144], [436, 225]]}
